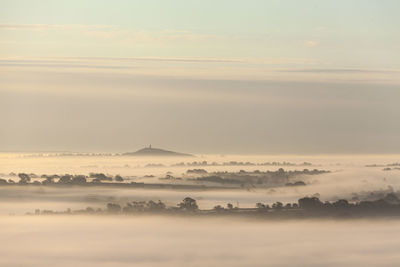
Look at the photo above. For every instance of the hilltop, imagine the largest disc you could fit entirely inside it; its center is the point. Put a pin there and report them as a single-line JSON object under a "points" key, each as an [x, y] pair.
{"points": [[151, 151]]}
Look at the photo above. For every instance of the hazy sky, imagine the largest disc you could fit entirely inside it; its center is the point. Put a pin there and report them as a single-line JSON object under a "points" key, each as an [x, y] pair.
{"points": [[200, 76]]}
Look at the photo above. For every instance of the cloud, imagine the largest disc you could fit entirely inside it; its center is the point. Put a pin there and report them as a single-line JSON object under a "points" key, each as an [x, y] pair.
{"points": [[7, 26], [104, 62], [311, 43], [207, 68], [339, 71], [113, 32], [27, 61]]}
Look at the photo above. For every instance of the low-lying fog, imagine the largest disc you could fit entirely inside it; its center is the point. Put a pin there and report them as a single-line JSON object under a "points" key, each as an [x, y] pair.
{"points": [[348, 175], [174, 241], [121, 240]]}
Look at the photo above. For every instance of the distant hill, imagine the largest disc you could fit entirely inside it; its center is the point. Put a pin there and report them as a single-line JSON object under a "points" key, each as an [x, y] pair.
{"points": [[151, 151]]}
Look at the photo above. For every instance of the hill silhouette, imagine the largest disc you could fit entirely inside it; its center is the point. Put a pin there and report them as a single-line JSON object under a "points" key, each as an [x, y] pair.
{"points": [[151, 151]]}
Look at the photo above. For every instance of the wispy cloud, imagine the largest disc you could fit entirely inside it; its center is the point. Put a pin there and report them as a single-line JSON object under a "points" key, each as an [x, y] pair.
{"points": [[277, 69], [104, 62], [339, 71], [112, 32], [311, 43], [8, 26]]}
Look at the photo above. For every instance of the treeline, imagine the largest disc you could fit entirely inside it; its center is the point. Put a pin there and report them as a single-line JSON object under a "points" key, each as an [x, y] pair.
{"points": [[187, 205], [240, 179], [395, 164], [25, 178], [274, 178], [304, 208]]}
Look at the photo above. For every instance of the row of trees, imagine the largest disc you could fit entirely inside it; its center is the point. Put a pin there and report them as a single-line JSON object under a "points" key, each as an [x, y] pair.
{"points": [[389, 205], [314, 204], [389, 202], [187, 204], [64, 179]]}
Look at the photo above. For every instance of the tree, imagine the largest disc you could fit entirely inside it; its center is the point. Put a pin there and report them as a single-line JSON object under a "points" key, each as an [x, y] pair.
{"points": [[218, 208], [100, 176], [277, 206], [118, 178], [135, 206], [89, 210], [341, 204], [24, 178], [310, 203], [79, 179], [260, 206], [229, 206], [96, 181], [113, 208], [155, 206], [65, 179], [49, 180], [188, 204]]}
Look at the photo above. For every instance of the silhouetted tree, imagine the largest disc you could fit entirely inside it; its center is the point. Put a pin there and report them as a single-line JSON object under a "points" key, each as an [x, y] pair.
{"points": [[65, 179], [218, 208], [188, 204], [155, 206], [260, 206], [135, 206], [49, 180], [100, 176], [89, 210], [113, 208], [79, 179], [341, 204], [310, 203], [96, 181], [24, 178], [277, 206], [118, 178]]}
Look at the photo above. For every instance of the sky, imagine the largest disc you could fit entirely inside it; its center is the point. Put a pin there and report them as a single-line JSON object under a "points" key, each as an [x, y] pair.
{"points": [[200, 76]]}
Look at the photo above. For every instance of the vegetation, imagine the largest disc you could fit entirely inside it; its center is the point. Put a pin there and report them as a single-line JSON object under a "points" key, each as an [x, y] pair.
{"points": [[258, 178], [307, 207], [190, 180]]}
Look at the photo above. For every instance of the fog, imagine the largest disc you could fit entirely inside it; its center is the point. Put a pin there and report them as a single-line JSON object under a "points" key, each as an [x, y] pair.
{"points": [[186, 240], [174, 241], [348, 175]]}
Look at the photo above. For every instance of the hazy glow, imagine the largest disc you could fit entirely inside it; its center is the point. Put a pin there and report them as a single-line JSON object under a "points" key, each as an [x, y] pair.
{"points": [[51, 110], [305, 77]]}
